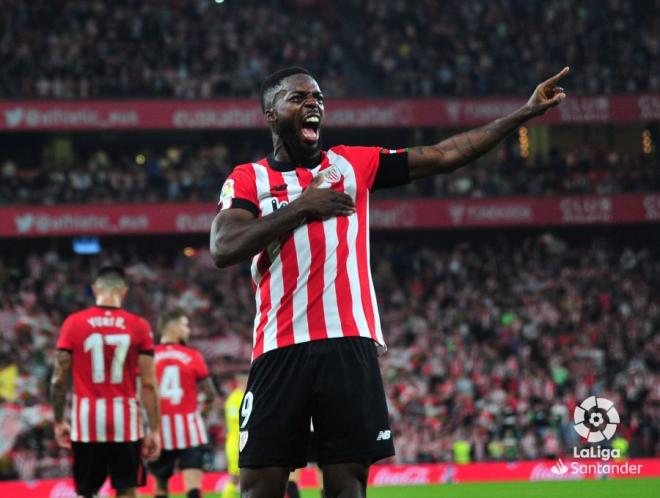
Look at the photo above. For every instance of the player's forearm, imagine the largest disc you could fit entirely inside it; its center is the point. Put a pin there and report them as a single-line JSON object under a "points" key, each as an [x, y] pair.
{"points": [[463, 148], [58, 392], [207, 387], [151, 403], [59, 386], [234, 242]]}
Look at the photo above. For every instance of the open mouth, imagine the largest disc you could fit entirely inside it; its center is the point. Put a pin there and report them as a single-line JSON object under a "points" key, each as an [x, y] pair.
{"points": [[310, 128]]}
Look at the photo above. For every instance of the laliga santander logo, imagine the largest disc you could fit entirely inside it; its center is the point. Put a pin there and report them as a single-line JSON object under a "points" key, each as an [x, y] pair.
{"points": [[590, 419], [596, 420]]}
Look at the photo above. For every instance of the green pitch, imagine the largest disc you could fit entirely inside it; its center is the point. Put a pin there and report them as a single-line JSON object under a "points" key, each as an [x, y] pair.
{"points": [[619, 488]]}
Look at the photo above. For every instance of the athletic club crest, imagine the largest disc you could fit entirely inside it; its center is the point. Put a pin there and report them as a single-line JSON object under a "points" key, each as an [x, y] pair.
{"points": [[332, 175], [242, 440]]}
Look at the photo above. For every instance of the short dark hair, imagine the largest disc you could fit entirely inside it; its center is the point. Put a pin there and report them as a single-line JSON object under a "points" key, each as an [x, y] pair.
{"points": [[273, 80], [111, 271], [170, 316]]}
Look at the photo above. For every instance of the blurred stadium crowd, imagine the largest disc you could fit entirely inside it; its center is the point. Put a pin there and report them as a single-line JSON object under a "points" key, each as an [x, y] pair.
{"points": [[196, 173], [202, 49], [491, 342]]}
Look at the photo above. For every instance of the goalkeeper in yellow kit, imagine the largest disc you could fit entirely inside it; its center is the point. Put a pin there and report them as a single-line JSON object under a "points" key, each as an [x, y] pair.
{"points": [[232, 442]]}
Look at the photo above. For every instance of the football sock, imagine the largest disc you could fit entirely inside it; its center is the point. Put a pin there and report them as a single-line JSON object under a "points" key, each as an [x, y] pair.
{"points": [[194, 493], [160, 496]]}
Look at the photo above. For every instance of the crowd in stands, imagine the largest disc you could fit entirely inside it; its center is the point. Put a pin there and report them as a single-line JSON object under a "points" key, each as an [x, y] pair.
{"points": [[193, 49], [189, 174], [173, 174], [507, 46], [491, 343]]}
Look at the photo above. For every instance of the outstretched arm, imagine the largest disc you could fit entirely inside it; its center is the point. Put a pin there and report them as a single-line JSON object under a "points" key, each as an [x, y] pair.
{"points": [[459, 150]]}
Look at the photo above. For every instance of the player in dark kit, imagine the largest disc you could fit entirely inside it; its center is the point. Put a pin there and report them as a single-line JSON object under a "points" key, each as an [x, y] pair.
{"points": [[106, 348], [301, 214]]}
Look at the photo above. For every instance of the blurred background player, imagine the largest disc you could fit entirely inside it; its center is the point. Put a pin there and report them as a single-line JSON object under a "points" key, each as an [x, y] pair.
{"points": [[105, 347], [232, 442], [181, 373]]}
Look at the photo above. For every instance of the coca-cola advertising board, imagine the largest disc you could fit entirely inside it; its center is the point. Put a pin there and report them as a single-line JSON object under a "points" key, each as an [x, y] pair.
{"points": [[382, 475]]}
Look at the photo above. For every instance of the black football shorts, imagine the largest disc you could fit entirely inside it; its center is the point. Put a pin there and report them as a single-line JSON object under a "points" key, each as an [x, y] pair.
{"points": [[334, 382], [187, 458], [93, 462]]}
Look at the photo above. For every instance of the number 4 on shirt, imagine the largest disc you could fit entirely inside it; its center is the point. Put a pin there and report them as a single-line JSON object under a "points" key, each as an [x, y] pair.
{"points": [[170, 384]]}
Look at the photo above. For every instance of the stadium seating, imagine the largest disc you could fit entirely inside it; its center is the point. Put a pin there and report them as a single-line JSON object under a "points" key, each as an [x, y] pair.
{"points": [[174, 49], [493, 341], [189, 173]]}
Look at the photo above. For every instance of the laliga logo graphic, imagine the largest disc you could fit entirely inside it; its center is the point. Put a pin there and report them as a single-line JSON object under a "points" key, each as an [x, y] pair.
{"points": [[596, 420], [598, 409]]}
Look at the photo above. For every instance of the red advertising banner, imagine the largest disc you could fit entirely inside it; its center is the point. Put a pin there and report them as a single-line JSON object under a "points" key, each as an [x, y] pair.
{"points": [[166, 218], [390, 475], [517, 211], [95, 219], [534, 470], [341, 113]]}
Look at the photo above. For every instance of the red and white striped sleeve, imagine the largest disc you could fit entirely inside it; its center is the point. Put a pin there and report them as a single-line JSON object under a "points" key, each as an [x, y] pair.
{"points": [[240, 190]]}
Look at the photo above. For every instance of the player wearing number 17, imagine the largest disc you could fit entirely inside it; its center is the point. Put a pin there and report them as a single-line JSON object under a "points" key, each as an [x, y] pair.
{"points": [[106, 347]]}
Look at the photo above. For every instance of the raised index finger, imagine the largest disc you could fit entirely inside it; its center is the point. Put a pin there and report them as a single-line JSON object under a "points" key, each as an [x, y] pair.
{"points": [[554, 79]]}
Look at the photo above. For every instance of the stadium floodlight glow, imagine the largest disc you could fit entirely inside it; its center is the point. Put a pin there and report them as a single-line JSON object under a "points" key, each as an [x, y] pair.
{"points": [[647, 142], [523, 141]]}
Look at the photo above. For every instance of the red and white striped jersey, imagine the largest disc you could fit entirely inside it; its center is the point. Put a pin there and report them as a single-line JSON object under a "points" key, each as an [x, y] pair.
{"points": [[105, 343], [314, 282], [178, 369]]}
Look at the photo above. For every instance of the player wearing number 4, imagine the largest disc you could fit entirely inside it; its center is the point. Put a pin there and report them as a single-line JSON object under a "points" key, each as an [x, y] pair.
{"points": [[105, 348], [180, 371]]}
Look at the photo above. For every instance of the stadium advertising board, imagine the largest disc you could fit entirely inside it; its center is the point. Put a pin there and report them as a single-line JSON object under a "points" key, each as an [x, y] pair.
{"points": [[340, 113], [379, 475], [171, 218]]}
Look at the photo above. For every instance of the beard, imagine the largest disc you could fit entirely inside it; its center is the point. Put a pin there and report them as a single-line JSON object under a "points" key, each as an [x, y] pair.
{"points": [[295, 145]]}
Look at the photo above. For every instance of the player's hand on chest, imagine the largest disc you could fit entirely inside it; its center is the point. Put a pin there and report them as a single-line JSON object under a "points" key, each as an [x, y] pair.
{"points": [[331, 189]]}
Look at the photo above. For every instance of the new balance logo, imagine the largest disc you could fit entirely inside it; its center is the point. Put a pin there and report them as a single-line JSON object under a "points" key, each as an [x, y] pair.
{"points": [[384, 435], [277, 204]]}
